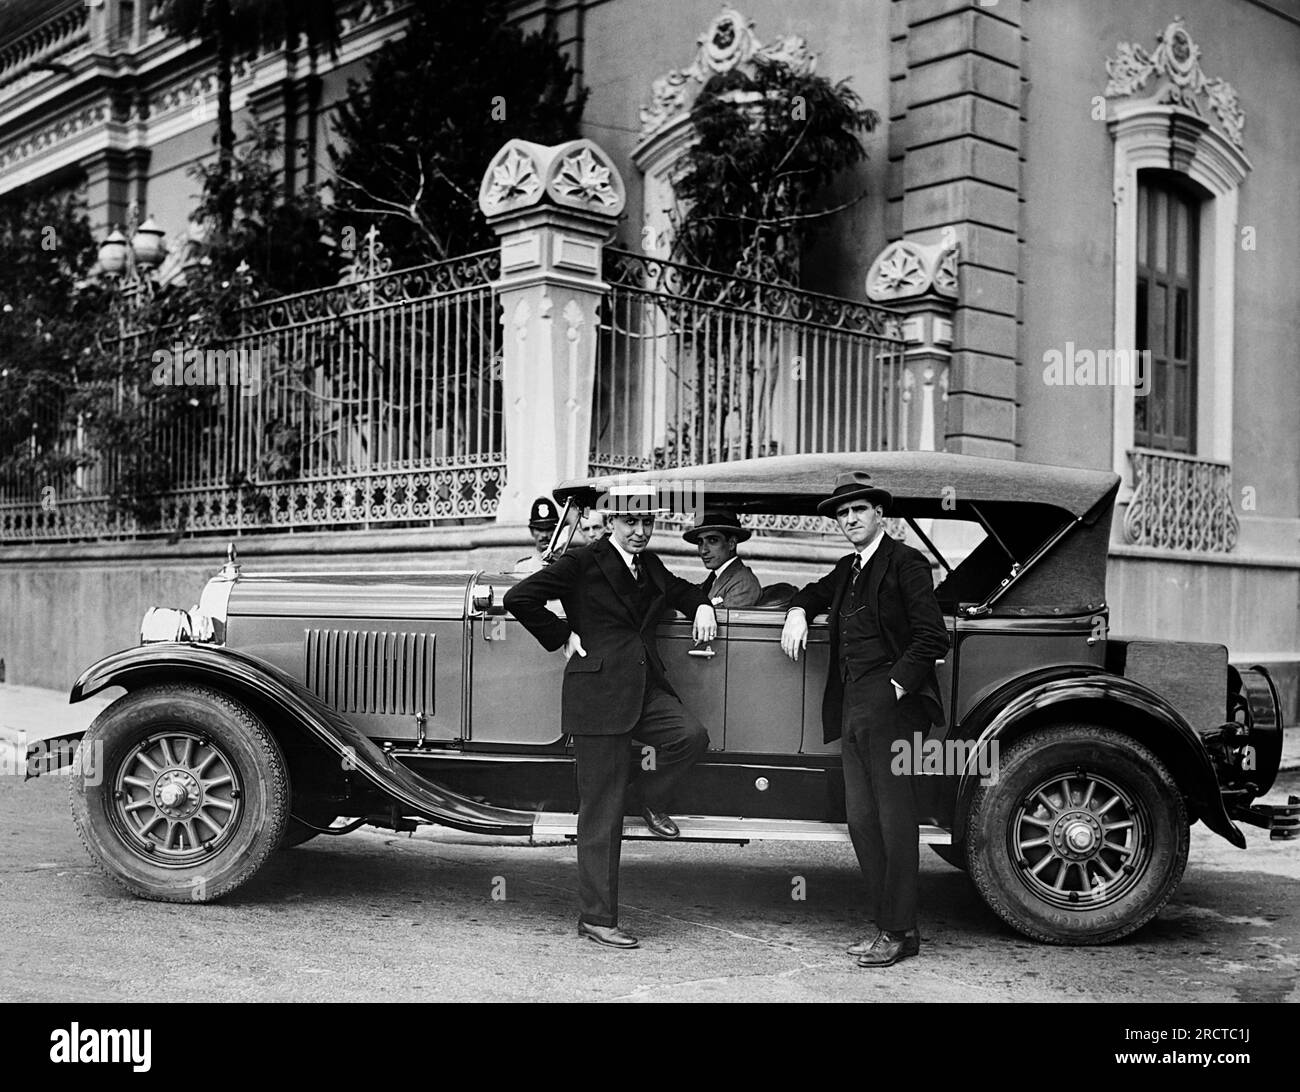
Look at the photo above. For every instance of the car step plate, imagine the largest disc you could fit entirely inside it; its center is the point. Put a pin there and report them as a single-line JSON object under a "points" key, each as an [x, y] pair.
{"points": [[553, 825]]}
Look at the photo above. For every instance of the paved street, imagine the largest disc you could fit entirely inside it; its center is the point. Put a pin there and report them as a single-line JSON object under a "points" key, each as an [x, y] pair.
{"points": [[373, 916]]}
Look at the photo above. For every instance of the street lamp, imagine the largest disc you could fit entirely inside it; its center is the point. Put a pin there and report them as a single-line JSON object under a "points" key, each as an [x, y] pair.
{"points": [[136, 260]]}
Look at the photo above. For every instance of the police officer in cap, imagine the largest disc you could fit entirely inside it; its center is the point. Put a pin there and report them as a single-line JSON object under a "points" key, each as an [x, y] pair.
{"points": [[542, 521]]}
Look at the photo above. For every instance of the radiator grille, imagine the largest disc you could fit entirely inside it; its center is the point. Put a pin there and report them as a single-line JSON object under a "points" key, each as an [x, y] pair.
{"points": [[371, 671]]}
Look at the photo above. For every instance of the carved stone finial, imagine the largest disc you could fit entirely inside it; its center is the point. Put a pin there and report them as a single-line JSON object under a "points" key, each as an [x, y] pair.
{"points": [[577, 174], [1176, 63], [906, 269]]}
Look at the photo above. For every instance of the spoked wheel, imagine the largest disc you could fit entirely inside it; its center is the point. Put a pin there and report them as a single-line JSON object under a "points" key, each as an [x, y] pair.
{"points": [[177, 797], [1082, 837], [179, 793]]}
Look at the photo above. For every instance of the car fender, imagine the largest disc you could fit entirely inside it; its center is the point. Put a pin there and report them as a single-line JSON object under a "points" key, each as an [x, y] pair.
{"points": [[1000, 714], [238, 673]]}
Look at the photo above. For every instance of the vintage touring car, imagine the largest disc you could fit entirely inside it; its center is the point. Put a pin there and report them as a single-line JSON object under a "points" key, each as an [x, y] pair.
{"points": [[289, 701]]}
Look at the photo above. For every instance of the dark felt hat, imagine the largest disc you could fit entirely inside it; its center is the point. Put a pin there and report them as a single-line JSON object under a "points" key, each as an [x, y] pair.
{"points": [[544, 515], [854, 486], [726, 522]]}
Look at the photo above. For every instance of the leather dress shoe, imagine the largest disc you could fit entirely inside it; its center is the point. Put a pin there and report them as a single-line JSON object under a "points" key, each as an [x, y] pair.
{"points": [[611, 936], [863, 946], [660, 823], [889, 948]]}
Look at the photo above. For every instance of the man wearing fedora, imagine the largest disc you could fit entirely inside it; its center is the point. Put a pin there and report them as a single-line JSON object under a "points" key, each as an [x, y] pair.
{"points": [[730, 583], [886, 631], [616, 689]]}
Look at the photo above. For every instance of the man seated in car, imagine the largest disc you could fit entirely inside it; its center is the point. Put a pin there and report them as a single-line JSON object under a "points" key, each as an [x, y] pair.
{"points": [[730, 583]]}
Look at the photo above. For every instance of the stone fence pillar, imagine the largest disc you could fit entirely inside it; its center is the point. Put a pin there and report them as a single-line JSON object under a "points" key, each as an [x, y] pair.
{"points": [[920, 281], [554, 209]]}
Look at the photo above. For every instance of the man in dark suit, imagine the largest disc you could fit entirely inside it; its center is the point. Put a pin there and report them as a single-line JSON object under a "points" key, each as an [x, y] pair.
{"points": [[730, 583], [886, 632], [616, 689]]}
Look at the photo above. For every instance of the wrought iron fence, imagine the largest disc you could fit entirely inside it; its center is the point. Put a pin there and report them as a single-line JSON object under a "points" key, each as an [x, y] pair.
{"points": [[695, 367], [372, 402], [1181, 502]]}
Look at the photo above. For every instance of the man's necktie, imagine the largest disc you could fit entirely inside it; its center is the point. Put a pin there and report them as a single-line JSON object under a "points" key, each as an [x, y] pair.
{"points": [[636, 569], [708, 582]]}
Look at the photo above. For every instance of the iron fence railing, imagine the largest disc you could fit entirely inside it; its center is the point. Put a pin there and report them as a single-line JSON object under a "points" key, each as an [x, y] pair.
{"points": [[695, 367], [372, 402]]}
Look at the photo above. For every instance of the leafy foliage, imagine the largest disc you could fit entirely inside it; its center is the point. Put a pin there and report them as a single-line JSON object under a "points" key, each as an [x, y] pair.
{"points": [[768, 145], [437, 104], [45, 324]]}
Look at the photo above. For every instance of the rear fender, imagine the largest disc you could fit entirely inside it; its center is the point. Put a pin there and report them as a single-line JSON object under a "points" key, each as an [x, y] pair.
{"points": [[238, 674], [1097, 697]]}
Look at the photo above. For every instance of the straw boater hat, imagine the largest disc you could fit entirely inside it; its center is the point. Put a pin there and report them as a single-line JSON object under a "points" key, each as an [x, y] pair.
{"points": [[854, 486], [630, 500], [726, 522]]}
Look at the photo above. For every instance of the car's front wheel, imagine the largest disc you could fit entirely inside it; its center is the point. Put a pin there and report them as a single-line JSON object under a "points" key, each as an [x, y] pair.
{"points": [[179, 793], [1081, 838]]}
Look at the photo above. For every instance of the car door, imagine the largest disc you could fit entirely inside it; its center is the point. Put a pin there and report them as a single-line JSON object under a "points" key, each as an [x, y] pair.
{"points": [[698, 672], [765, 689]]}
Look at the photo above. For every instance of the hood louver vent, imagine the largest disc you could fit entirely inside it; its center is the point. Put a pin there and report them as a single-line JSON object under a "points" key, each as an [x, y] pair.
{"points": [[370, 671]]}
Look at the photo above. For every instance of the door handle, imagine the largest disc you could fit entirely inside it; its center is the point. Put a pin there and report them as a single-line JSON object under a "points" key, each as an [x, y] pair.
{"points": [[706, 652]]}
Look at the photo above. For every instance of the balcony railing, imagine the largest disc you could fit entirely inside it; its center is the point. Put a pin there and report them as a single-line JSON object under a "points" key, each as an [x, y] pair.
{"points": [[694, 367], [1181, 502]]}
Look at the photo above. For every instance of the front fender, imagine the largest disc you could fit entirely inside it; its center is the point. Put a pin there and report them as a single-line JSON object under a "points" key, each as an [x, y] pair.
{"points": [[1192, 766], [236, 672]]}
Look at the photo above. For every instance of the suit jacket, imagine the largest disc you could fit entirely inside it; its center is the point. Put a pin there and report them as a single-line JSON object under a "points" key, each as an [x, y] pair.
{"points": [[911, 625], [603, 691], [736, 587]]}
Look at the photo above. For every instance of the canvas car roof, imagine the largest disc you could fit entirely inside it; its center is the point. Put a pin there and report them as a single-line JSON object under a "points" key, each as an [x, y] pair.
{"points": [[919, 481]]}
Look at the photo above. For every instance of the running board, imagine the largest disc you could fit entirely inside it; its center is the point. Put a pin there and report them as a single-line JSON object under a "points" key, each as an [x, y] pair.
{"points": [[550, 826]]}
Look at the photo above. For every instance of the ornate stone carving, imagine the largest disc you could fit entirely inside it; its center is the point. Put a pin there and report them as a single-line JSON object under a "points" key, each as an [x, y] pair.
{"points": [[906, 270], [728, 43], [54, 134], [1177, 65], [582, 179], [511, 181], [577, 174]]}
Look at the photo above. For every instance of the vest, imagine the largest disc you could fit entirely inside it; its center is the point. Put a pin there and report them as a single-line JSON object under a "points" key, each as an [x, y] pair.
{"points": [[861, 647]]}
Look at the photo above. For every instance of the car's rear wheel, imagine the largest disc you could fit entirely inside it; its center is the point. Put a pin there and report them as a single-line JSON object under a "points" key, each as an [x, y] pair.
{"points": [[179, 793], [1080, 839]]}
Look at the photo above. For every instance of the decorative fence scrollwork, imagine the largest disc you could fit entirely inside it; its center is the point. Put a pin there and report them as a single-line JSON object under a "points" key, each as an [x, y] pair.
{"points": [[1181, 502], [697, 367], [373, 402]]}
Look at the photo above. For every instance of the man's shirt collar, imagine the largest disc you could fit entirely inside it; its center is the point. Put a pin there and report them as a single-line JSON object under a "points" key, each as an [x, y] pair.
{"points": [[627, 557], [723, 567], [871, 547]]}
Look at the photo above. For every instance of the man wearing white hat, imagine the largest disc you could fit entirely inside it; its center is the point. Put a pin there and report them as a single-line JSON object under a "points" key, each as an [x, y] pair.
{"points": [[886, 630], [616, 688]]}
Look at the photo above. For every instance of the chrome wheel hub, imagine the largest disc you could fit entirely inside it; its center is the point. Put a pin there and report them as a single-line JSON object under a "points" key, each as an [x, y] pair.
{"points": [[176, 798]]}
